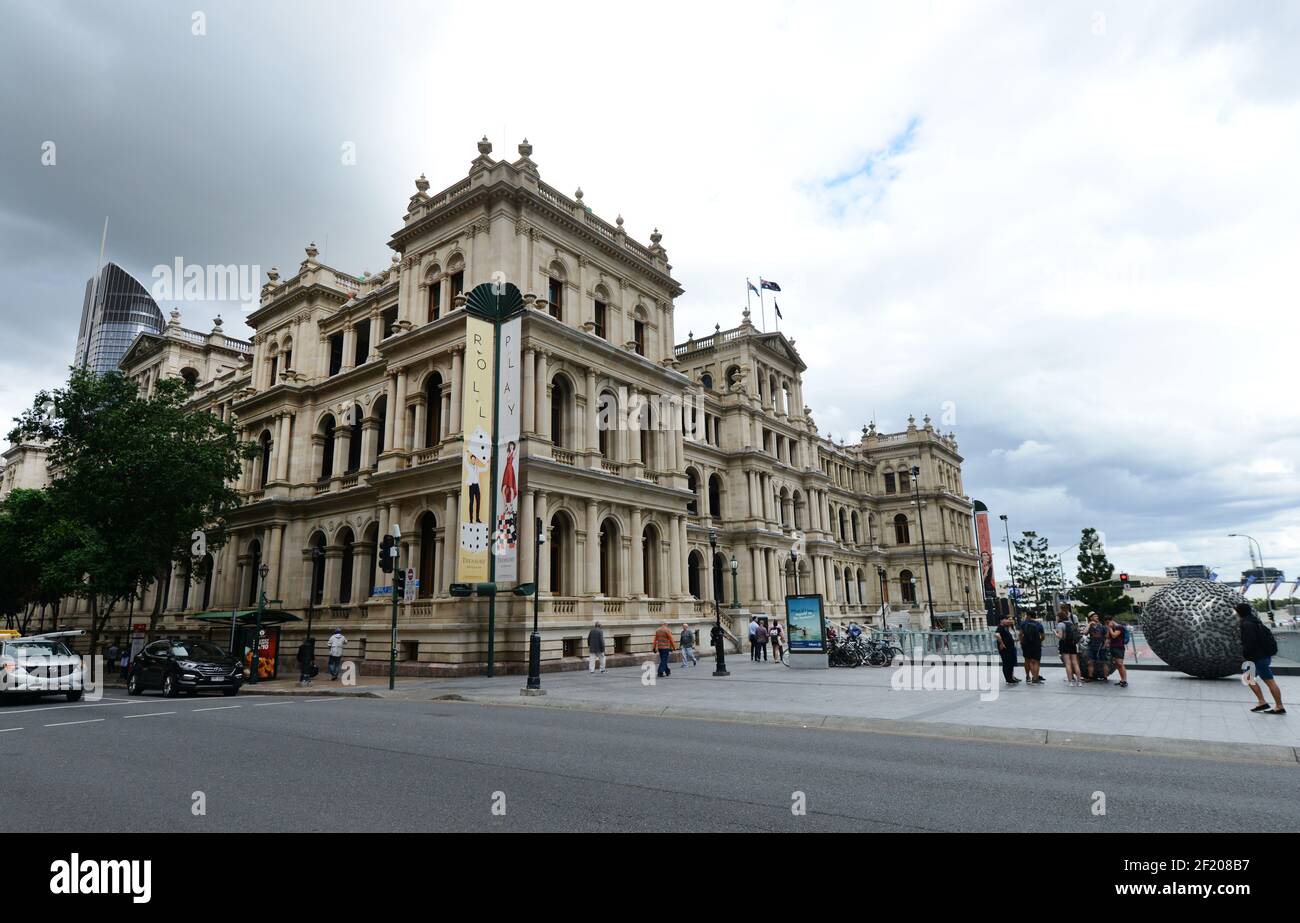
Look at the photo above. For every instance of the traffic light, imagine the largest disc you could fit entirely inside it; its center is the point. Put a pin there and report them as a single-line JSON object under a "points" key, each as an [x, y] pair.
{"points": [[386, 555], [462, 589], [1123, 581], [399, 581]]}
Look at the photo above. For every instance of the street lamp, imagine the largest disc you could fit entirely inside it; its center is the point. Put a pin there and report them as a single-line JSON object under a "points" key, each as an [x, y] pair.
{"points": [[735, 592], [535, 640], [1012, 565], [257, 630], [925, 558], [794, 569], [966, 588], [1268, 597], [719, 653]]}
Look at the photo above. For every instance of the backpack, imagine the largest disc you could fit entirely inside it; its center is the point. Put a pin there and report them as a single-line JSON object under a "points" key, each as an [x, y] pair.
{"points": [[1070, 633], [1128, 635]]}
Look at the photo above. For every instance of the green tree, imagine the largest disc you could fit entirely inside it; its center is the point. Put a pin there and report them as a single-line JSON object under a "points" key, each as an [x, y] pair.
{"points": [[1093, 592], [1035, 571], [131, 478]]}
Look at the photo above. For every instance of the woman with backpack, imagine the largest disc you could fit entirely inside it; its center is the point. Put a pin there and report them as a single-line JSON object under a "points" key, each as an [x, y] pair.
{"points": [[1067, 644], [1258, 646]]}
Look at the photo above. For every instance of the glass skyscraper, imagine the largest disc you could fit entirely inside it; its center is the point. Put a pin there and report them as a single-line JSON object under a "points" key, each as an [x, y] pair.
{"points": [[121, 310]]}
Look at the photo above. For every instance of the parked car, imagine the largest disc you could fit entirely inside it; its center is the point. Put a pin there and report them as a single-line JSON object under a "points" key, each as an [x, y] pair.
{"points": [[38, 665], [176, 666]]}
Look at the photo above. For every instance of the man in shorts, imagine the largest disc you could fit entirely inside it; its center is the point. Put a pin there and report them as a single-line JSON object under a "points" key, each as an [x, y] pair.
{"points": [[1258, 647], [1031, 647]]}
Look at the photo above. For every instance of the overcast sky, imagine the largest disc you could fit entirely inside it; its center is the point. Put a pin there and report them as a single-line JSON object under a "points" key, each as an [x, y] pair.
{"points": [[1071, 227]]}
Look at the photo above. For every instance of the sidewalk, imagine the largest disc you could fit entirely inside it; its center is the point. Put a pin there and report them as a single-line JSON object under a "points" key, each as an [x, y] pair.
{"points": [[1160, 711]]}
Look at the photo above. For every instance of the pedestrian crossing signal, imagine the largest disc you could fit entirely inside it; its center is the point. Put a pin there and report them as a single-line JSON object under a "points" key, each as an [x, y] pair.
{"points": [[386, 555]]}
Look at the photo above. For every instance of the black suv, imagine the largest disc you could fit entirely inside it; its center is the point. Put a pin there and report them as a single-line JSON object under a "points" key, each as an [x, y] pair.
{"points": [[189, 666]]}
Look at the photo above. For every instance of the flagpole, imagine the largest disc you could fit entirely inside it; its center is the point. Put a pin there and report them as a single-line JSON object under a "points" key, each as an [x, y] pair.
{"points": [[761, 307], [748, 286]]}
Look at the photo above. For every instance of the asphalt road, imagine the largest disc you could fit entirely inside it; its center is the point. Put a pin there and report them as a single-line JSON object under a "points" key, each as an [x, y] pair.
{"points": [[336, 764]]}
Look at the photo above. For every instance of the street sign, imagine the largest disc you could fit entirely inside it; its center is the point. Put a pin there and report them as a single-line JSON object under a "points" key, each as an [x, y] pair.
{"points": [[409, 595]]}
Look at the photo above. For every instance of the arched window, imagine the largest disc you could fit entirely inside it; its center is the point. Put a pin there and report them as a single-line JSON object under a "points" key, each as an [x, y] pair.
{"points": [[555, 290], [908, 587], [797, 502], [354, 440], [561, 542], [693, 485], [606, 424], [706, 381], [836, 586], [254, 563], [862, 588], [265, 443], [316, 568], [600, 313], [428, 527], [432, 410], [380, 412], [857, 531], [327, 449], [561, 413], [715, 496], [191, 377], [650, 561], [848, 586], [844, 522], [434, 281], [901, 534], [771, 391], [345, 568], [286, 350], [695, 566], [609, 554]]}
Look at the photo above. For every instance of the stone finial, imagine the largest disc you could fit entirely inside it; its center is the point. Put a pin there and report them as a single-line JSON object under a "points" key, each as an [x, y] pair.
{"points": [[175, 317], [717, 328], [216, 324], [619, 221], [655, 237], [485, 146], [422, 184], [273, 275], [926, 420], [745, 315], [578, 195], [312, 251], [525, 149]]}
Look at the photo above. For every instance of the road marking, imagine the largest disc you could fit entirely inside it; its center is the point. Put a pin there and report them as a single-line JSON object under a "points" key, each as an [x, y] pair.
{"points": [[264, 704], [66, 723], [3, 730], [152, 714], [86, 705], [217, 708]]}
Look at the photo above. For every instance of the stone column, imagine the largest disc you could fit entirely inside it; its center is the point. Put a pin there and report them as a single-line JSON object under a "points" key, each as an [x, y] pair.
{"points": [[349, 347], [342, 442], [376, 332], [530, 390], [399, 422], [774, 576], [527, 533], [333, 562], [273, 580], [543, 397], [544, 579], [421, 412], [676, 555], [756, 572], [590, 429], [283, 442], [591, 577], [638, 557], [390, 418], [455, 391], [451, 532]]}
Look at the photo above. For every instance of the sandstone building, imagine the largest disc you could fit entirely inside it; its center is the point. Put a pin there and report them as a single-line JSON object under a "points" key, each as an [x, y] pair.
{"points": [[634, 447]]}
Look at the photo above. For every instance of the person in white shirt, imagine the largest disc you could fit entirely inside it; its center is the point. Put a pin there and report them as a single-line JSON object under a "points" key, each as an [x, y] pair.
{"points": [[336, 642]]}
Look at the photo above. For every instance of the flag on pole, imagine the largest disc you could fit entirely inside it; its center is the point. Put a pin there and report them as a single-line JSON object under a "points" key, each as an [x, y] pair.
{"points": [[1247, 584], [778, 309], [770, 286], [751, 287], [1296, 588], [1273, 589], [1213, 576]]}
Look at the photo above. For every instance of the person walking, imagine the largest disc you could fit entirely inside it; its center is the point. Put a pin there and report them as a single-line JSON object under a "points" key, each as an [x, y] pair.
{"points": [[778, 642], [688, 647], [663, 643], [1031, 647], [126, 663], [753, 644], [336, 642], [1258, 646], [1067, 644], [306, 661], [761, 637], [111, 654], [1007, 649], [595, 648], [1098, 648], [1117, 641]]}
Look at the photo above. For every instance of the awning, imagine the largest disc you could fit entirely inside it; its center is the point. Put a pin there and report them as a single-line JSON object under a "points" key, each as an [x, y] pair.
{"points": [[247, 617]]}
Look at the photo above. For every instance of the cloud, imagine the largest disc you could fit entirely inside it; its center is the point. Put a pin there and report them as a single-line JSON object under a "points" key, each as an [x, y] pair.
{"points": [[1077, 231]]}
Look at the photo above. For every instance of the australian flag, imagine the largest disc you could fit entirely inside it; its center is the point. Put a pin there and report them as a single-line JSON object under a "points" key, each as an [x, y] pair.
{"points": [[778, 310], [751, 287], [770, 286]]}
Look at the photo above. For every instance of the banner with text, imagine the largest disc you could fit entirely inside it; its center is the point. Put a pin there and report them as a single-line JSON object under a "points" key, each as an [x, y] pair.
{"points": [[473, 551], [506, 530]]}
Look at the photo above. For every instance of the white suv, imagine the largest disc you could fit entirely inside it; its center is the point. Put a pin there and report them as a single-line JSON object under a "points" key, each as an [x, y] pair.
{"points": [[39, 666]]}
